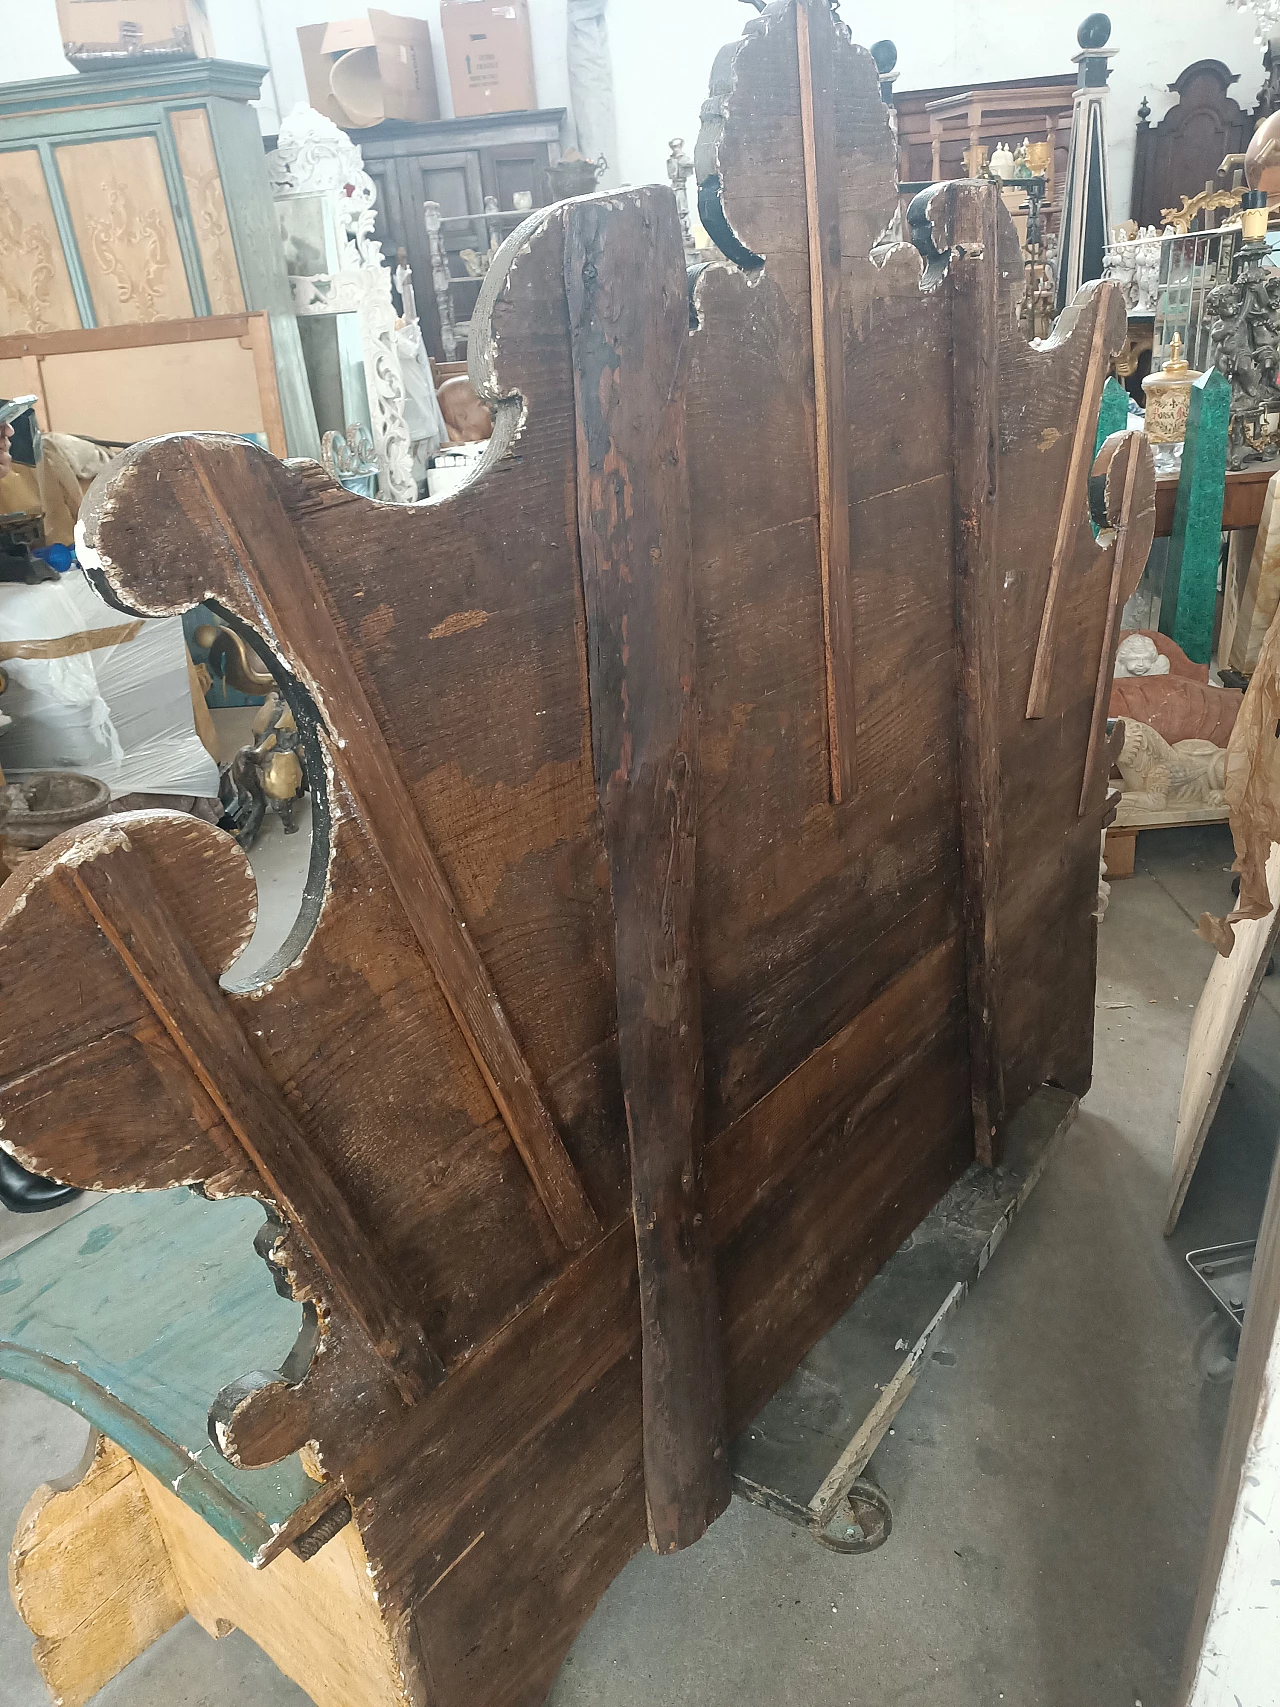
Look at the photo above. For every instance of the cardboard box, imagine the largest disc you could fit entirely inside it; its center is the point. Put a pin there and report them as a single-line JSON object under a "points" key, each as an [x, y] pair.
{"points": [[489, 51], [388, 71], [94, 31]]}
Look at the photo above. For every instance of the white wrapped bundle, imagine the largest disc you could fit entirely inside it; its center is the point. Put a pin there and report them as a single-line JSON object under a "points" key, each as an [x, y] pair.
{"points": [[95, 691]]}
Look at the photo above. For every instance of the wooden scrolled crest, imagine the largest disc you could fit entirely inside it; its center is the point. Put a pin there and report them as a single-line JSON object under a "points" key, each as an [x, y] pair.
{"points": [[702, 789]]}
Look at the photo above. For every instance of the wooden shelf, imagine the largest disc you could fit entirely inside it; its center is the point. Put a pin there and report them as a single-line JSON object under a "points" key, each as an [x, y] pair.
{"points": [[1241, 504]]}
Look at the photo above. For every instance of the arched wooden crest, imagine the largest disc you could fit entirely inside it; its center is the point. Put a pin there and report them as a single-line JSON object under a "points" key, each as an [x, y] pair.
{"points": [[693, 894]]}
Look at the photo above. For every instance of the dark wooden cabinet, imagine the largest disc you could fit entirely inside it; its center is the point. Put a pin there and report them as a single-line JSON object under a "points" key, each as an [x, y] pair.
{"points": [[456, 163], [1180, 156], [936, 127]]}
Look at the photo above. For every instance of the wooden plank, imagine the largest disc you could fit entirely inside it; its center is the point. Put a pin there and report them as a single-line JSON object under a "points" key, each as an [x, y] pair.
{"points": [[135, 920], [90, 1576], [1129, 473], [264, 365], [1230, 1653], [634, 526], [815, 36], [1073, 502], [199, 330], [246, 509], [1216, 1029], [319, 1619], [1243, 499], [975, 421], [1120, 853]]}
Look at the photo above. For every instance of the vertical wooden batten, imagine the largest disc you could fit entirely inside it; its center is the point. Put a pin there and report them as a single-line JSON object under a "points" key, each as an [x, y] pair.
{"points": [[971, 217], [1072, 511], [1130, 492], [816, 45], [634, 525]]}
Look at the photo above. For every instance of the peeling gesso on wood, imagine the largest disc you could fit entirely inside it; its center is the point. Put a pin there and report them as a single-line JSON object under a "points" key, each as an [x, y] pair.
{"points": [[850, 966]]}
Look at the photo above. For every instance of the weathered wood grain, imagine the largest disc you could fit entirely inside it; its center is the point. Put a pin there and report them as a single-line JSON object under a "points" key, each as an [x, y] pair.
{"points": [[243, 506], [831, 947], [1072, 510], [1048, 880], [1126, 468], [975, 279], [115, 887], [90, 1576], [633, 509], [815, 42]]}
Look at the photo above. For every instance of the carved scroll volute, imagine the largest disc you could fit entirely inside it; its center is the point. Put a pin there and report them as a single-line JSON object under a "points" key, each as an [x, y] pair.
{"points": [[131, 911], [92, 1091]]}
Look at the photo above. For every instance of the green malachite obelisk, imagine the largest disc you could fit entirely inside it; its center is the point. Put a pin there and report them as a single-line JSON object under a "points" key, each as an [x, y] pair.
{"points": [[1191, 579]]}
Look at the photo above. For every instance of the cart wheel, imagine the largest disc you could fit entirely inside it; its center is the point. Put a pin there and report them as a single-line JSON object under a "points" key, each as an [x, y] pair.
{"points": [[1216, 1343], [863, 1521]]}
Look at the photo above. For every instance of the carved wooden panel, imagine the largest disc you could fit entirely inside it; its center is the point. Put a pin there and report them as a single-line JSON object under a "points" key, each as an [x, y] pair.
{"points": [[633, 1028], [125, 230], [207, 201], [1181, 154], [35, 286]]}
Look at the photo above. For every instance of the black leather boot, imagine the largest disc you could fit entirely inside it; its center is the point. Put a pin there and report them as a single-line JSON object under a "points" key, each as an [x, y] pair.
{"points": [[28, 1194]]}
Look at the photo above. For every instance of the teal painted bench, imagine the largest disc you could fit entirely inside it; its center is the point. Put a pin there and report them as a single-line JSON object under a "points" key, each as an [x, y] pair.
{"points": [[136, 1313]]}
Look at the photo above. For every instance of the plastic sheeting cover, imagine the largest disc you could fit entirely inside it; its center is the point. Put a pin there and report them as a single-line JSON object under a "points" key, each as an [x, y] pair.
{"points": [[119, 711]]}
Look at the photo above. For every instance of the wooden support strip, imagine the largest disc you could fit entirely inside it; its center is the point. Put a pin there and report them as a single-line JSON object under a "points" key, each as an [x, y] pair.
{"points": [[816, 39], [1073, 504], [1134, 521], [975, 334], [293, 602], [634, 524], [116, 888]]}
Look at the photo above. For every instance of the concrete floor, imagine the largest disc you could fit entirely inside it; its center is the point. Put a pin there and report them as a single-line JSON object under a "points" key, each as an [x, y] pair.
{"points": [[1050, 1475]]}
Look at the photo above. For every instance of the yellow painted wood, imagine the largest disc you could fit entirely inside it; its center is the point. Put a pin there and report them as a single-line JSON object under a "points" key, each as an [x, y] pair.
{"points": [[90, 1575], [125, 230], [36, 294], [107, 1561], [318, 1620], [194, 142]]}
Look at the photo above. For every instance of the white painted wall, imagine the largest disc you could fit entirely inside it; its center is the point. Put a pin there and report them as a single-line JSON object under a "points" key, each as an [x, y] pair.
{"points": [[662, 53], [951, 41], [263, 32]]}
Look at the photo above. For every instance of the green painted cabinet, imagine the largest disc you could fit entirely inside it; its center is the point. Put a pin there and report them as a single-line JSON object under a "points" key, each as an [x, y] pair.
{"points": [[141, 195]]}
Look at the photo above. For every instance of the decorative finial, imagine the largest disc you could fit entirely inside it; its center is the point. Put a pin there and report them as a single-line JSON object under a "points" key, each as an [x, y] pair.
{"points": [[885, 54], [1144, 111], [1095, 32]]}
